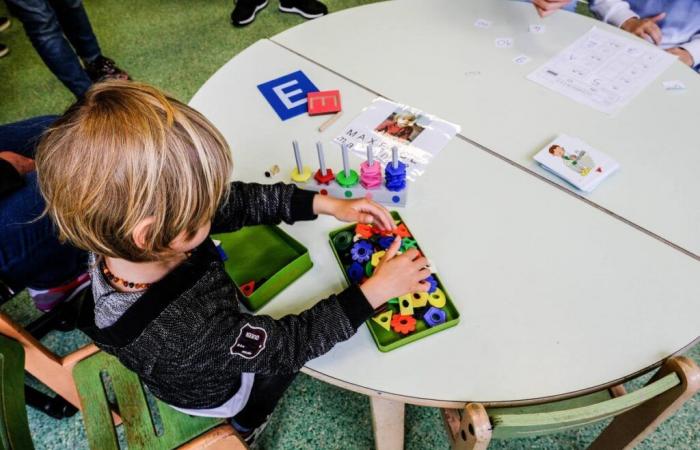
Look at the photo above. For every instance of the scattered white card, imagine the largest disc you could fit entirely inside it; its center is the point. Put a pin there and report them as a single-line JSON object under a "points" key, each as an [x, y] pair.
{"points": [[576, 162], [536, 28], [483, 23], [521, 59], [674, 85], [503, 42]]}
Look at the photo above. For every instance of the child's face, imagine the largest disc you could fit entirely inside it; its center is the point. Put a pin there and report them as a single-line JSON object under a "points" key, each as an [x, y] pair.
{"points": [[558, 151], [403, 121], [183, 245]]}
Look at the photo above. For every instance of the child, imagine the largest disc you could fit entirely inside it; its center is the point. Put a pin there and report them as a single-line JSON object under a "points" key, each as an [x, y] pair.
{"points": [[401, 126], [140, 180], [580, 162]]}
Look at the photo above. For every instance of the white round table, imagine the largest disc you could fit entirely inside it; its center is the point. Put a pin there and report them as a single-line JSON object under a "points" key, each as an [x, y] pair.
{"points": [[559, 294]]}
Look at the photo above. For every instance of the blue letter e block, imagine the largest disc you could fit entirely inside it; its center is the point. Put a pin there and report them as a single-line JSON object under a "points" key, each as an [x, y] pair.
{"points": [[287, 94]]}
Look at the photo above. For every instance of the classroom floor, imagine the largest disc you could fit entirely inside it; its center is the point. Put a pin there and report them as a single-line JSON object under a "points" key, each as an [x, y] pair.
{"points": [[177, 46]]}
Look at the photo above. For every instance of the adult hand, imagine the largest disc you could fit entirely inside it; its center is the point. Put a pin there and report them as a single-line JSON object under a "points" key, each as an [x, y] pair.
{"points": [[645, 28], [360, 210], [547, 7], [682, 54], [21, 164], [396, 275]]}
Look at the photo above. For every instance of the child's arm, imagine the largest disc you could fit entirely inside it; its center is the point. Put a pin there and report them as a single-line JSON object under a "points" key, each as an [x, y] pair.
{"points": [[620, 14], [254, 204], [688, 53], [261, 344]]}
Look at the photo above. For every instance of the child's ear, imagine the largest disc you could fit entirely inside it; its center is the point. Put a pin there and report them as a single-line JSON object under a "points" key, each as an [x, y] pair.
{"points": [[141, 232]]}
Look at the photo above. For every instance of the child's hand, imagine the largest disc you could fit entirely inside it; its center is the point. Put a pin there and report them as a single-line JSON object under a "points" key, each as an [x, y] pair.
{"points": [[361, 210], [396, 276], [547, 7], [645, 28], [21, 164], [683, 55]]}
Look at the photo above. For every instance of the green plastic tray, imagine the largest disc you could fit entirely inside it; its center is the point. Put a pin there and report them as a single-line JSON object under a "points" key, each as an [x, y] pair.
{"points": [[266, 254], [389, 340]]}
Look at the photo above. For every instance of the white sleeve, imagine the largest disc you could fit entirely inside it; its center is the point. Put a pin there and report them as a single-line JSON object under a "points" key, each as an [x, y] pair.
{"points": [[693, 47], [614, 12]]}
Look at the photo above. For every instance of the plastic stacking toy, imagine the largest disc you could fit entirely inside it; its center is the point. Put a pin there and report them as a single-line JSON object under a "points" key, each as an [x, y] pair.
{"points": [[403, 324], [395, 172], [434, 316], [406, 305], [363, 230], [437, 298], [377, 257], [370, 171], [361, 251], [420, 299], [433, 284], [343, 240], [346, 183], [248, 288], [300, 174], [356, 272], [386, 241], [384, 320], [322, 175]]}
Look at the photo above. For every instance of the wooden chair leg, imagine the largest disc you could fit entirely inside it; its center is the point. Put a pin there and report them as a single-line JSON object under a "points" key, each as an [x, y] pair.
{"points": [[474, 432], [52, 370], [388, 423], [630, 428]]}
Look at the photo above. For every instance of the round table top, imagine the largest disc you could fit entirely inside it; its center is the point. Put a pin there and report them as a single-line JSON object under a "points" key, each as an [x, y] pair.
{"points": [[557, 294]]}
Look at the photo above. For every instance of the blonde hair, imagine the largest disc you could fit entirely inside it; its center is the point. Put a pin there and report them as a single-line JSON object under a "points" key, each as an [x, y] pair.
{"points": [[128, 153]]}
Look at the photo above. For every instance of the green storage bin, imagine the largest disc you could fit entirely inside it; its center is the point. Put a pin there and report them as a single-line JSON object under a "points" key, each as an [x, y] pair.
{"points": [[390, 340], [267, 255]]}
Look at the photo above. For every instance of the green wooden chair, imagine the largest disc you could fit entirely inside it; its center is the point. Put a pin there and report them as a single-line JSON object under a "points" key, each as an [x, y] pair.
{"points": [[14, 426], [148, 423], [636, 414]]}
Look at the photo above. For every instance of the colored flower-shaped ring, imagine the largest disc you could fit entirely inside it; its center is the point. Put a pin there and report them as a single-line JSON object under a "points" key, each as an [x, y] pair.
{"points": [[361, 251], [403, 324]]}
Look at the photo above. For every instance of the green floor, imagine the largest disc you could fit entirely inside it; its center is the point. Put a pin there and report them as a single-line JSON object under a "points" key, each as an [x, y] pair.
{"points": [[177, 45]]}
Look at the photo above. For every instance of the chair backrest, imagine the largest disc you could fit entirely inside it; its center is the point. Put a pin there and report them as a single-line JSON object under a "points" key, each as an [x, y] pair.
{"points": [[148, 423], [14, 427], [559, 416]]}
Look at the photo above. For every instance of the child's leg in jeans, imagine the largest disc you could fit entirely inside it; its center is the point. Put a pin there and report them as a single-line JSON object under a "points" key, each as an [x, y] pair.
{"points": [[266, 393]]}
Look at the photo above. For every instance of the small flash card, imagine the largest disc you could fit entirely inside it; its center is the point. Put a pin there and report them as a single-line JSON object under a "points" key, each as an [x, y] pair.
{"points": [[482, 23], [521, 59], [576, 162], [503, 42], [536, 28], [674, 85]]}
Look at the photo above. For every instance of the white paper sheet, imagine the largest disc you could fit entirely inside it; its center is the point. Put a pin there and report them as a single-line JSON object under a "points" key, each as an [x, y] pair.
{"points": [[603, 70]]}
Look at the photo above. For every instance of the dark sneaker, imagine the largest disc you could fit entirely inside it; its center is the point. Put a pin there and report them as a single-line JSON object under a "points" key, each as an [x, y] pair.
{"points": [[245, 10], [309, 9], [4, 23], [103, 68], [250, 437], [4, 50]]}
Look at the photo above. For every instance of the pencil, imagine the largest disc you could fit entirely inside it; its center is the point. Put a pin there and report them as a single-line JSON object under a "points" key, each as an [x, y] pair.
{"points": [[330, 121]]}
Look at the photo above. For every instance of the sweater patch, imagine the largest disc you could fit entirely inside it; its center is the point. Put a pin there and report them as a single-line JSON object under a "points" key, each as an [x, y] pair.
{"points": [[250, 342]]}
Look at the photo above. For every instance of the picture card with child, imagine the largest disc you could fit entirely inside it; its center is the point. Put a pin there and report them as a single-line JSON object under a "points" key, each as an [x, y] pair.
{"points": [[418, 136], [576, 162]]}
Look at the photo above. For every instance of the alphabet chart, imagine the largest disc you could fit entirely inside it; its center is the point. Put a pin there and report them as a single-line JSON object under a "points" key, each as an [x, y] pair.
{"points": [[603, 70]]}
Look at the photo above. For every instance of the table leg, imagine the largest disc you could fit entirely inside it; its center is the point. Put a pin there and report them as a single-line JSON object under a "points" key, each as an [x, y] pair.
{"points": [[387, 422]]}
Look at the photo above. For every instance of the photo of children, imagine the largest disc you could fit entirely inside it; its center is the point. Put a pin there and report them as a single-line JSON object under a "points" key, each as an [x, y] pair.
{"points": [[401, 124], [579, 161]]}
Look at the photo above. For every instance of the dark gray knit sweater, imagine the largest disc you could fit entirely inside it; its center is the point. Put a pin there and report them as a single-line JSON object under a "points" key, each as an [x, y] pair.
{"points": [[186, 336]]}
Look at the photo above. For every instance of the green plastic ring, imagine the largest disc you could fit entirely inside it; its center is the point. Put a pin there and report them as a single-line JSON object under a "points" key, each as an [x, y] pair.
{"points": [[347, 181]]}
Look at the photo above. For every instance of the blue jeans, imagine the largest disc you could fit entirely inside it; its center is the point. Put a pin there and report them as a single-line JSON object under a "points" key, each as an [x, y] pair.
{"points": [[48, 24], [30, 254]]}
